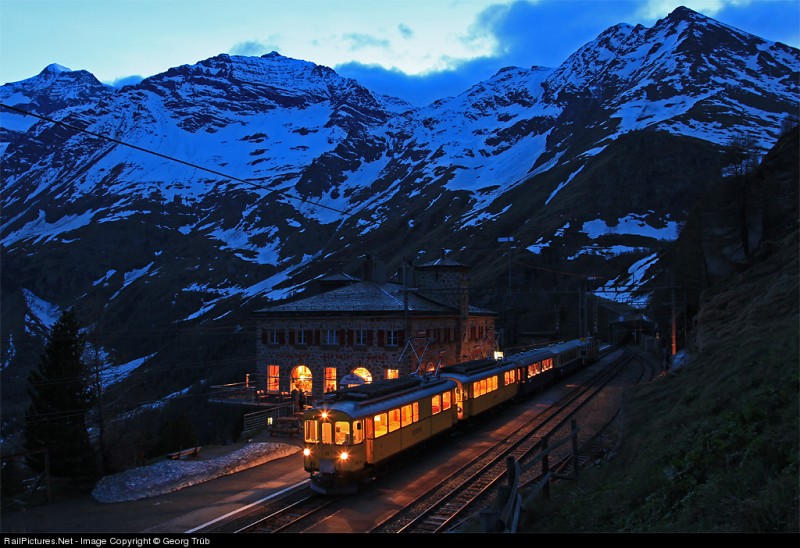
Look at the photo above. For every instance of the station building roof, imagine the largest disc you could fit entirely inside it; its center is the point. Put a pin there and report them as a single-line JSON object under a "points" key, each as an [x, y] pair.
{"points": [[366, 297]]}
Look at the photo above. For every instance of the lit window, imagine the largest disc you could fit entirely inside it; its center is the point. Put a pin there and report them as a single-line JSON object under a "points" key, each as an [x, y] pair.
{"points": [[394, 420], [273, 378], [436, 404], [327, 432], [381, 425], [330, 379], [311, 432], [406, 415], [342, 433]]}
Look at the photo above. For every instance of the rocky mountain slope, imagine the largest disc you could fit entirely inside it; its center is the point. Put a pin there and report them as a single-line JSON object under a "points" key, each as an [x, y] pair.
{"points": [[167, 211], [714, 446]]}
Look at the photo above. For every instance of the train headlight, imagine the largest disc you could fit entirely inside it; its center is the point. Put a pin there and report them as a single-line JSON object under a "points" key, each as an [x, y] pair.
{"points": [[306, 452], [343, 455]]}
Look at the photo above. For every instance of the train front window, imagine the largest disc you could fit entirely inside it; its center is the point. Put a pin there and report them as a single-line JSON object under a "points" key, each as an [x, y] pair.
{"points": [[311, 434], [327, 432], [342, 433]]}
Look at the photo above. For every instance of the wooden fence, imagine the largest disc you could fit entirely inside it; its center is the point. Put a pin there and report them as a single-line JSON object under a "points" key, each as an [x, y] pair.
{"points": [[505, 517]]}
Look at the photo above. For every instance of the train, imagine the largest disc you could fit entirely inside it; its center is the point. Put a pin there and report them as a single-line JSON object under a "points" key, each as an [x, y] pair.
{"points": [[353, 433]]}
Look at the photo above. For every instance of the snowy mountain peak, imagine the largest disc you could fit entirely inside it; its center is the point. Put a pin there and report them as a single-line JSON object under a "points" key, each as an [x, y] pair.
{"points": [[55, 68], [227, 184]]}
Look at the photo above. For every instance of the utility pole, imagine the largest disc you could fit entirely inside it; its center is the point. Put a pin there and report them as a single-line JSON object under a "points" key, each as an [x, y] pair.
{"points": [[674, 322], [510, 240], [507, 305]]}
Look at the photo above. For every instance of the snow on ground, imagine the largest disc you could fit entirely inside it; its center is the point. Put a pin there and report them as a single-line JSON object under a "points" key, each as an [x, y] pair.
{"points": [[172, 475]]}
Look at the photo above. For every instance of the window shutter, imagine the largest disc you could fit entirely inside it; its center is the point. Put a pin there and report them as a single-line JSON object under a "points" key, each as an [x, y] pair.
{"points": [[291, 337], [380, 337], [264, 337]]}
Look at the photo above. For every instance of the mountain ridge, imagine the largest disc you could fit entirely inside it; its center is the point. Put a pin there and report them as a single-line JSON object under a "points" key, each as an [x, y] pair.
{"points": [[281, 179]]}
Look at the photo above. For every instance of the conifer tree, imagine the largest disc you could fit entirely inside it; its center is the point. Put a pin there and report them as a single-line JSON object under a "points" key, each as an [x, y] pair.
{"points": [[60, 396]]}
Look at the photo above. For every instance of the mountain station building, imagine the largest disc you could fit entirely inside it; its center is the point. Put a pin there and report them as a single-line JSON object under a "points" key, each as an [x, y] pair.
{"points": [[361, 330]]}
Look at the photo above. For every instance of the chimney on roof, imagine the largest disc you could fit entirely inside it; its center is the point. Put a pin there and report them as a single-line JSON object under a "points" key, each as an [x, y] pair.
{"points": [[374, 270]]}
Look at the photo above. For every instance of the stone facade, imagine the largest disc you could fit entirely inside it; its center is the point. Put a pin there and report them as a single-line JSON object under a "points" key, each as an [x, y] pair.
{"points": [[369, 330]]}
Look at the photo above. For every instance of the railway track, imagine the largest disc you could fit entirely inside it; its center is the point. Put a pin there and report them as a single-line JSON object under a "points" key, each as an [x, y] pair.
{"points": [[474, 486], [470, 489], [291, 513]]}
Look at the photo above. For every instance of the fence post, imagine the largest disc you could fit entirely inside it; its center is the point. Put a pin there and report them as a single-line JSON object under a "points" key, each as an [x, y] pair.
{"points": [[575, 457], [545, 468]]}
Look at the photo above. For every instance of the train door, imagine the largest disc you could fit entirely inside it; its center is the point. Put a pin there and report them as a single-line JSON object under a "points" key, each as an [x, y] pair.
{"points": [[459, 400]]}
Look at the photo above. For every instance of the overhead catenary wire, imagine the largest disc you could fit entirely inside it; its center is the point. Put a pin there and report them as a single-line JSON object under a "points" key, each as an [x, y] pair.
{"points": [[344, 214], [171, 158]]}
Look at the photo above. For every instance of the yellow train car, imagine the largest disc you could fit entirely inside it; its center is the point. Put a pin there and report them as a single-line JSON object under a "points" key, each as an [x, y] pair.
{"points": [[358, 430], [483, 385]]}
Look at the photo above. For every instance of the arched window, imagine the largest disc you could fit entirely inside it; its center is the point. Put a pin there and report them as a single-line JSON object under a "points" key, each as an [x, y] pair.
{"points": [[302, 379], [364, 373]]}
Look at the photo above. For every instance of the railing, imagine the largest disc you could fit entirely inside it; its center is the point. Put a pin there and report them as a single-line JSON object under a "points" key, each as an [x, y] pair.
{"points": [[259, 420], [242, 392], [237, 391], [506, 516]]}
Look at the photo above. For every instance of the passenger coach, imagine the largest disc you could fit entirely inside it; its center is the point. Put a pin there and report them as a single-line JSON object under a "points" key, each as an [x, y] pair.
{"points": [[482, 385], [356, 431], [359, 429]]}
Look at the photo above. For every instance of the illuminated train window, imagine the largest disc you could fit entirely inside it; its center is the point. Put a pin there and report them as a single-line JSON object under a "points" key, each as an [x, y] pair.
{"points": [[409, 414], [436, 405], [311, 431], [327, 432], [342, 433], [381, 425], [394, 420], [446, 403]]}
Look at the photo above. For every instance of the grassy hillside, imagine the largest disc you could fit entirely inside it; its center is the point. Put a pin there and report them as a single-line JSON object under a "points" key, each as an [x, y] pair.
{"points": [[713, 447]]}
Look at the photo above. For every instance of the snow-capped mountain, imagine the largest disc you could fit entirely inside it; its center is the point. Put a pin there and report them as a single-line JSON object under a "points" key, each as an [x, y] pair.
{"points": [[167, 211]]}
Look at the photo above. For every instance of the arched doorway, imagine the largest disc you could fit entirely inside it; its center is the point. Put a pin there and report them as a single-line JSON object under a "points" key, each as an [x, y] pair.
{"points": [[301, 379], [364, 373]]}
